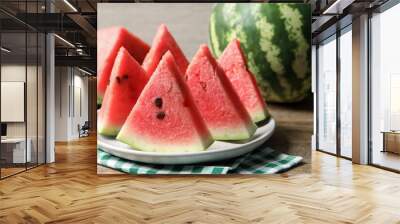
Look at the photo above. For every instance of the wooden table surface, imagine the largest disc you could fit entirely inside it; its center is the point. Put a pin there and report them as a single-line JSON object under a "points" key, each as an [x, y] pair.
{"points": [[292, 134]]}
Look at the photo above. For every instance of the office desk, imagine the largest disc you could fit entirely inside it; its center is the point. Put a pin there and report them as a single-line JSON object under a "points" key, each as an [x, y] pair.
{"points": [[15, 148]]}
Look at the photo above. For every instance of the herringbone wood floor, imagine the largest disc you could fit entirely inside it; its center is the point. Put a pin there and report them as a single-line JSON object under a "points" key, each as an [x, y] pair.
{"points": [[69, 191]]}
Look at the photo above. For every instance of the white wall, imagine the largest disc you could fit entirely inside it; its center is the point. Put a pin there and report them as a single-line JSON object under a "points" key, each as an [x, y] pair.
{"points": [[79, 117], [12, 73], [61, 103], [69, 82], [188, 28]]}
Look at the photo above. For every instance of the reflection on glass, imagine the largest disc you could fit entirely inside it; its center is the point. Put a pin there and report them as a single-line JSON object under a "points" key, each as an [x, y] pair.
{"points": [[346, 94], [327, 96], [22, 91], [385, 91], [394, 102], [14, 153]]}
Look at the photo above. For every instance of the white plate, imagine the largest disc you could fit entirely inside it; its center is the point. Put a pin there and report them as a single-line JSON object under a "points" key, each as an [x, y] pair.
{"points": [[219, 150]]}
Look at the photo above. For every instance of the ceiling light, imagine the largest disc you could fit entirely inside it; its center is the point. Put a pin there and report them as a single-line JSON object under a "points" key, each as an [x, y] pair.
{"points": [[64, 40], [70, 5], [84, 71], [333, 6], [80, 51], [5, 49], [337, 7]]}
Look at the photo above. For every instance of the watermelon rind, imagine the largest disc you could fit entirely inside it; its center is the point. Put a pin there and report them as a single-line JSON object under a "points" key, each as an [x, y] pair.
{"points": [[226, 134], [261, 116], [146, 145], [107, 131]]}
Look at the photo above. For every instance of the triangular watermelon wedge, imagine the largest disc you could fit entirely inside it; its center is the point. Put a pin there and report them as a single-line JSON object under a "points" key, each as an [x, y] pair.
{"points": [[220, 106], [165, 118], [234, 64], [163, 42], [126, 83], [109, 41]]}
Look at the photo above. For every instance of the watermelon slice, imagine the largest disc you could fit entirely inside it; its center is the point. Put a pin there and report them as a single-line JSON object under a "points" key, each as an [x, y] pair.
{"points": [[109, 41], [220, 106], [165, 118], [127, 82], [163, 42], [234, 64]]}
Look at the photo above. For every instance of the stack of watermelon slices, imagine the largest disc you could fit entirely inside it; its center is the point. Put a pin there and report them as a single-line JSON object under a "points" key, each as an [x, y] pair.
{"points": [[161, 103], [109, 41]]}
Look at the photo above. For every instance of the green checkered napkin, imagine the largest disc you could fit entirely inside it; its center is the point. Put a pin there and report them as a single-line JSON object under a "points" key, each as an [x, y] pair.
{"points": [[261, 161]]}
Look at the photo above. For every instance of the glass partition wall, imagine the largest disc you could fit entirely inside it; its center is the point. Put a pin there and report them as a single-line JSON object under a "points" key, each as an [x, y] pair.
{"points": [[385, 89], [345, 92], [14, 153], [327, 95], [334, 89], [334, 94], [22, 98]]}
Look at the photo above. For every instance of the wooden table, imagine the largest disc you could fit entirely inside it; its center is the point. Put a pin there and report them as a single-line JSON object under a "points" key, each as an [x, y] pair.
{"points": [[391, 141], [292, 134]]}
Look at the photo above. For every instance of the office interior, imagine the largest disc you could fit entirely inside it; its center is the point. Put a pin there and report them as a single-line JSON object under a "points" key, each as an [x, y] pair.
{"points": [[48, 169], [48, 81], [356, 83], [49, 71]]}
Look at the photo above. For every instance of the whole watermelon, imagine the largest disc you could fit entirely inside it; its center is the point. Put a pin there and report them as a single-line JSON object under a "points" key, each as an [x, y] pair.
{"points": [[276, 38]]}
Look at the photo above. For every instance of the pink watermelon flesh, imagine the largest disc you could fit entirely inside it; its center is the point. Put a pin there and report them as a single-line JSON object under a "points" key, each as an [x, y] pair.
{"points": [[163, 42], [126, 83], [234, 64], [109, 41], [165, 118], [220, 106]]}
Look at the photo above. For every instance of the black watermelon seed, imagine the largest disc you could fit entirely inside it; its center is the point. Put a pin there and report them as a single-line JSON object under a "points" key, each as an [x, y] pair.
{"points": [[203, 85], [158, 102], [118, 79], [125, 76], [160, 115]]}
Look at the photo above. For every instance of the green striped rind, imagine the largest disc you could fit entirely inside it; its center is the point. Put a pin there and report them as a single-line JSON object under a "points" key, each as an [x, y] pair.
{"points": [[99, 101], [240, 133], [261, 115], [276, 40], [108, 130], [147, 145]]}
